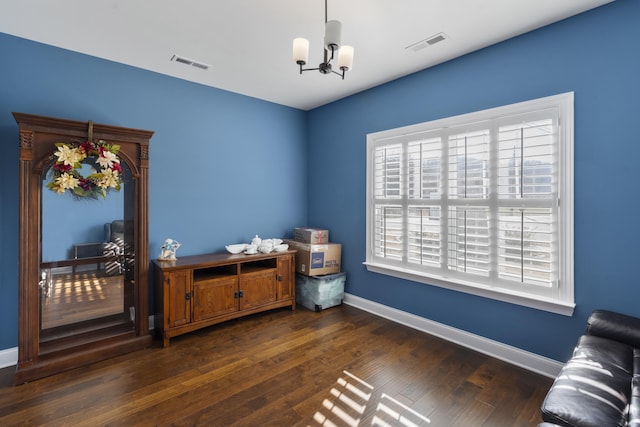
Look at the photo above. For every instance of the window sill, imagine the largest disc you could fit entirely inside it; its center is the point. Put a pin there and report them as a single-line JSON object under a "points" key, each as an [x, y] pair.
{"points": [[531, 301]]}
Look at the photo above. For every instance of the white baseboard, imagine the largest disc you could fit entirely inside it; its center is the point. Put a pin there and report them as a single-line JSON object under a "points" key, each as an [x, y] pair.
{"points": [[513, 355], [9, 356]]}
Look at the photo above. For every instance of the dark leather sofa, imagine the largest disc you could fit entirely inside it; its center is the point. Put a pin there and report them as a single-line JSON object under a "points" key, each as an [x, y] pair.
{"points": [[600, 385]]}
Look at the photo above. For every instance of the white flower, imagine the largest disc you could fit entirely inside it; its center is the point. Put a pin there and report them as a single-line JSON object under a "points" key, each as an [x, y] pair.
{"points": [[107, 159], [65, 181], [69, 156], [110, 178]]}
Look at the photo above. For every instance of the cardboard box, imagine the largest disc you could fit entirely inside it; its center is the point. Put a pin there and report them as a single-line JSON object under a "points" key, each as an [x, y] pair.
{"points": [[314, 260], [311, 235]]}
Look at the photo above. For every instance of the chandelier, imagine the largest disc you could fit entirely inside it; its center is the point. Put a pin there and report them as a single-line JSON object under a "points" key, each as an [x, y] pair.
{"points": [[332, 31]]}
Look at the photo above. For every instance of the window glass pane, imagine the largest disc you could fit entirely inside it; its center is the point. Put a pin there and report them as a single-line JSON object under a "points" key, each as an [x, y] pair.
{"points": [[423, 162], [469, 165], [389, 232], [525, 241], [526, 154], [388, 171], [469, 240], [424, 237]]}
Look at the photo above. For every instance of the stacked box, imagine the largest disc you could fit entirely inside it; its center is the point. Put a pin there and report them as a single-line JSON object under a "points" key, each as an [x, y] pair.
{"points": [[313, 260], [310, 235], [320, 292]]}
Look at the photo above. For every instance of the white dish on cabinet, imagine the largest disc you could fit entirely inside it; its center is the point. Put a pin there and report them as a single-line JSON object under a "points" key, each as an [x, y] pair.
{"points": [[236, 249]]}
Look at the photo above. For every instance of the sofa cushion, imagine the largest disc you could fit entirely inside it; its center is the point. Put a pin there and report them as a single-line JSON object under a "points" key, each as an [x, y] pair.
{"points": [[615, 326], [593, 388], [604, 352]]}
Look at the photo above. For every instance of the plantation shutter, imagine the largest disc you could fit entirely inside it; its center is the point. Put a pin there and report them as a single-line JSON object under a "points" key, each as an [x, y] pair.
{"points": [[528, 198], [469, 187], [389, 229], [424, 181], [474, 201]]}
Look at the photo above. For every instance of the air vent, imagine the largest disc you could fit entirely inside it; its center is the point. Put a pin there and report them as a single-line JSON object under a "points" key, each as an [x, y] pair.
{"points": [[427, 42], [435, 39], [187, 61]]}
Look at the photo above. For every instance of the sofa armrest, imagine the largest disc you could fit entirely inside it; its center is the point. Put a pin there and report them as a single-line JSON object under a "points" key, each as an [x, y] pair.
{"points": [[615, 326]]}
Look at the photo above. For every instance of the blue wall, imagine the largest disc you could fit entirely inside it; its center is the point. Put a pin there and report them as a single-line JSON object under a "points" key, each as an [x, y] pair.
{"points": [[68, 221], [223, 167], [594, 54], [206, 140]]}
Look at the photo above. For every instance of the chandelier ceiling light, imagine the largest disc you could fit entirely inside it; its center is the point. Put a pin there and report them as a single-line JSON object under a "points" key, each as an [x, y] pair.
{"points": [[332, 31]]}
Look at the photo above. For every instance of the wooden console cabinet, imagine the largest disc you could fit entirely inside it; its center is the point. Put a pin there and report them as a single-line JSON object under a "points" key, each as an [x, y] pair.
{"points": [[201, 290]]}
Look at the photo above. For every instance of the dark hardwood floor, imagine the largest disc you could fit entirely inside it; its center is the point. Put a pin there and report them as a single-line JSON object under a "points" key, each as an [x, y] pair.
{"points": [[340, 367]]}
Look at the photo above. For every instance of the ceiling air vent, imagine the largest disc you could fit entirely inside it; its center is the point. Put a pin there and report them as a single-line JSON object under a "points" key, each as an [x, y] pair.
{"points": [[187, 61], [427, 42]]}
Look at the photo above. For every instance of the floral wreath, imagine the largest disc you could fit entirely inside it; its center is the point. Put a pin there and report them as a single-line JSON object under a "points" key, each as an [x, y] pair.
{"points": [[66, 175]]}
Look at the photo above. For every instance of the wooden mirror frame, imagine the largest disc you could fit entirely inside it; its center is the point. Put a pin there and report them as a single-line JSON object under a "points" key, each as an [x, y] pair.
{"points": [[38, 135]]}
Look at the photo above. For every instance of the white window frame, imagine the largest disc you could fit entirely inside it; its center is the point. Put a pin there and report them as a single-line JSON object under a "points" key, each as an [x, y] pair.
{"points": [[556, 297]]}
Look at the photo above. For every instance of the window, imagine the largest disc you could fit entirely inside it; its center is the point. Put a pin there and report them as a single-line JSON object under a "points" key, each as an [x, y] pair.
{"points": [[480, 203]]}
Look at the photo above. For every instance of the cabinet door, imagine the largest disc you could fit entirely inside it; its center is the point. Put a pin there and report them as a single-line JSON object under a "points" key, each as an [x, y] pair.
{"points": [[214, 297], [286, 277], [257, 288], [178, 286]]}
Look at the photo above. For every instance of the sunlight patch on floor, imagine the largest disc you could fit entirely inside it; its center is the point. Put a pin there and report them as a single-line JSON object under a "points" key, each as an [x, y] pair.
{"points": [[348, 400], [399, 413]]}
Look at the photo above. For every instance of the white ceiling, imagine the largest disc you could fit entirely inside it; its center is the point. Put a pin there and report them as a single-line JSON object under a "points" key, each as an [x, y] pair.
{"points": [[248, 43]]}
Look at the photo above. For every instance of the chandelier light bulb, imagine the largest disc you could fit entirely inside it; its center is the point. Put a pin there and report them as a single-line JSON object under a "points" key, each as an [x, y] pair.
{"points": [[300, 50], [332, 33], [345, 58]]}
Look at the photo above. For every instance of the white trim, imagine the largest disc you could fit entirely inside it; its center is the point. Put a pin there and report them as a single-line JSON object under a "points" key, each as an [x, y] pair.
{"points": [[513, 355], [9, 356], [500, 294]]}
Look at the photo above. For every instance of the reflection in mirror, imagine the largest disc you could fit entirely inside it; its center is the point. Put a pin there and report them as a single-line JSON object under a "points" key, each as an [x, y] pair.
{"points": [[87, 259]]}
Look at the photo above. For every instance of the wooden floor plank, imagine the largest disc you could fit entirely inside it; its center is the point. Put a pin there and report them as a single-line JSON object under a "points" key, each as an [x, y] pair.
{"points": [[341, 367]]}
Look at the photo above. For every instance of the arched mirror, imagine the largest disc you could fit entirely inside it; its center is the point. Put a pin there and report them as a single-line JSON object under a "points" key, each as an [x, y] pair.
{"points": [[83, 291]]}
